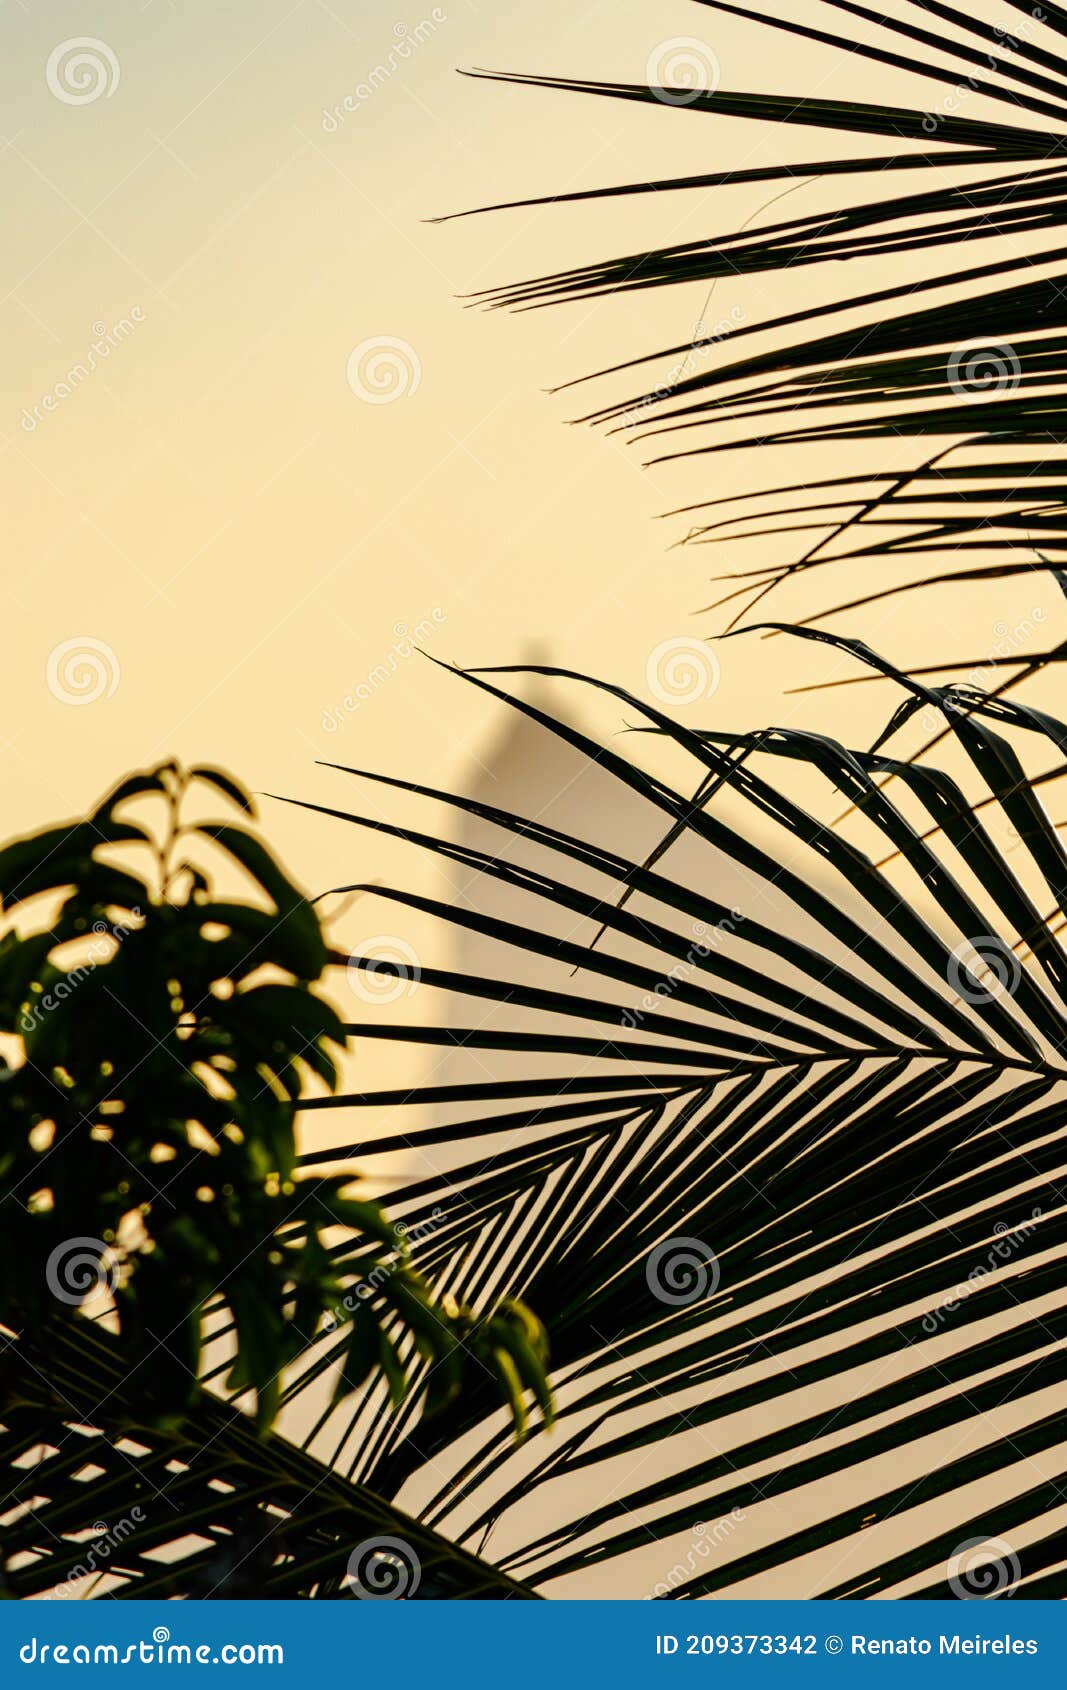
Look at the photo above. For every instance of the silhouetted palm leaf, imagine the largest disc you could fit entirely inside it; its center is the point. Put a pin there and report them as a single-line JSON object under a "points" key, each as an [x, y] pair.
{"points": [[978, 375], [95, 1499], [828, 1090]]}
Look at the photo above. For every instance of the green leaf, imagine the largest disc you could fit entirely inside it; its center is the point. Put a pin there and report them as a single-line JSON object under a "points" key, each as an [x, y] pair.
{"points": [[298, 916], [134, 786], [62, 856], [361, 1354], [222, 782]]}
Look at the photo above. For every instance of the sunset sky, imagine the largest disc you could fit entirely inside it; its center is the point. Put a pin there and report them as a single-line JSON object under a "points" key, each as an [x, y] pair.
{"points": [[216, 505]]}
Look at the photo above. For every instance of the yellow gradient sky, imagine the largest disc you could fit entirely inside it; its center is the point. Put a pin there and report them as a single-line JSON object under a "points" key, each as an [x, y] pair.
{"points": [[216, 505]]}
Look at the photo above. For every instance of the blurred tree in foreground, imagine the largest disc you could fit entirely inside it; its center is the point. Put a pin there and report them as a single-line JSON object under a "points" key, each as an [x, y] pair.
{"points": [[148, 1153]]}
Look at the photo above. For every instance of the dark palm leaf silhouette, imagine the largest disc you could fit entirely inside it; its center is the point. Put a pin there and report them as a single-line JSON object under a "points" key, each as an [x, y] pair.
{"points": [[99, 1502], [780, 1177], [968, 355]]}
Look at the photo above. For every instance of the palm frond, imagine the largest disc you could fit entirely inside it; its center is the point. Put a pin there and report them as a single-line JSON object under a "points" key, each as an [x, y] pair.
{"points": [[832, 1101], [96, 1502], [977, 375]]}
